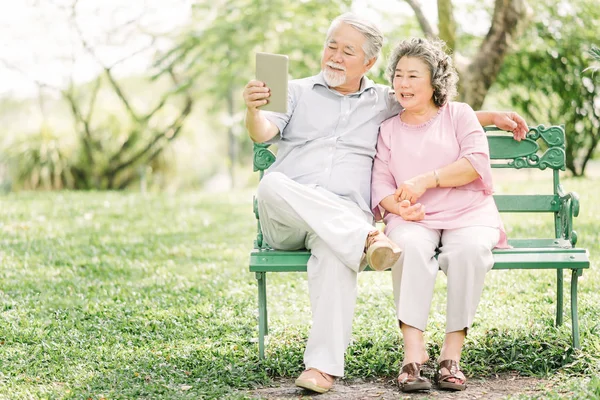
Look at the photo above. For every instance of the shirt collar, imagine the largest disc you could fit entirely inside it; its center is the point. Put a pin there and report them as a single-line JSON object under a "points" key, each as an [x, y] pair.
{"points": [[365, 83]]}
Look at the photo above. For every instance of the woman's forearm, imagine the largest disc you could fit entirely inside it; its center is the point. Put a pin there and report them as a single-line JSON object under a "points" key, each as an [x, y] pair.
{"points": [[458, 173], [389, 204]]}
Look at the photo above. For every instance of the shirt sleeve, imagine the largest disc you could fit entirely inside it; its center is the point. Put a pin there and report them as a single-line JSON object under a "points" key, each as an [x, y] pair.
{"points": [[392, 103], [383, 183], [281, 119], [474, 147]]}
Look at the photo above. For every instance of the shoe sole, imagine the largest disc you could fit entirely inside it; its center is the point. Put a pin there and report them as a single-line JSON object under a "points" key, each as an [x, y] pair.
{"points": [[452, 386], [382, 257], [310, 386], [414, 387]]}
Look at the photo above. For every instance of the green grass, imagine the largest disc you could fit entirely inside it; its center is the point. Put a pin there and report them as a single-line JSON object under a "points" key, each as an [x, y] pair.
{"points": [[120, 295]]}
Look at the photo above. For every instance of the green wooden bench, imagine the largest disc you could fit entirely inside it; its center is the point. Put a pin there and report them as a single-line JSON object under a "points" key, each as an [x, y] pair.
{"points": [[543, 149]]}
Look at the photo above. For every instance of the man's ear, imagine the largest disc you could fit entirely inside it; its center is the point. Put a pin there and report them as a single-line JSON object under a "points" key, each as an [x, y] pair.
{"points": [[370, 63]]}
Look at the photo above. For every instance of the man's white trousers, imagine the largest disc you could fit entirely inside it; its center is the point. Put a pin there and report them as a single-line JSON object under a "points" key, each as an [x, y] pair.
{"points": [[295, 216]]}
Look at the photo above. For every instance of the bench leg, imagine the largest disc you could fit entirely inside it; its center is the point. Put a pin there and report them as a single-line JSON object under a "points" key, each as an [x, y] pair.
{"points": [[263, 329], [559, 297], [576, 273]]}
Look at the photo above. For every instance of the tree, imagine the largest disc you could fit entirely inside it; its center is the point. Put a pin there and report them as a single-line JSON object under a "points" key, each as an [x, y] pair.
{"points": [[111, 147], [478, 73], [547, 76], [217, 50]]}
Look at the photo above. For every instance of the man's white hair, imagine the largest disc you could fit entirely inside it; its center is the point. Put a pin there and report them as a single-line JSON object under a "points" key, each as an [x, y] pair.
{"points": [[372, 34]]}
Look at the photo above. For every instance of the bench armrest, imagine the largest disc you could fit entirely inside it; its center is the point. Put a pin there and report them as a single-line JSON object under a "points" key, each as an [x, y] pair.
{"points": [[569, 208], [263, 158]]}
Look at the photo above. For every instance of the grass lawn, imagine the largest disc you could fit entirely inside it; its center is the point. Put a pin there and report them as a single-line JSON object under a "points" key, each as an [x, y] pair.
{"points": [[120, 295]]}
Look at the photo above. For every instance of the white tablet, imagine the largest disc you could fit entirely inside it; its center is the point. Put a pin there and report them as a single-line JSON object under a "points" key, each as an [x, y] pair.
{"points": [[272, 69]]}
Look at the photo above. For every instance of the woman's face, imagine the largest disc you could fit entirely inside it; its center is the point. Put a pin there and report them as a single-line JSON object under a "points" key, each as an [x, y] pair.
{"points": [[412, 83]]}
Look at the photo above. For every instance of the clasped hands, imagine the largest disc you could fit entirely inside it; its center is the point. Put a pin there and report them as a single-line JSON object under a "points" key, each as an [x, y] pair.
{"points": [[406, 197]]}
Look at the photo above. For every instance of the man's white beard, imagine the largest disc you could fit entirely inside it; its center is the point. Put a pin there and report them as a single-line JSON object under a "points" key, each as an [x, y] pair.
{"points": [[334, 78]]}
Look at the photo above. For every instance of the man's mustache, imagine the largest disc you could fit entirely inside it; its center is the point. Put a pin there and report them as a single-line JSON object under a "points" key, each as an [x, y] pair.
{"points": [[335, 65]]}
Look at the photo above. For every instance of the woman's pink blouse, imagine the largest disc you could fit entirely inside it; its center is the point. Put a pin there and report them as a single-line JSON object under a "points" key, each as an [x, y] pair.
{"points": [[404, 151]]}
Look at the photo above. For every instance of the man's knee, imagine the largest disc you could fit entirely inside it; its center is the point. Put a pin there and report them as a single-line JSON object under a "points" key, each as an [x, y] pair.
{"points": [[269, 186]]}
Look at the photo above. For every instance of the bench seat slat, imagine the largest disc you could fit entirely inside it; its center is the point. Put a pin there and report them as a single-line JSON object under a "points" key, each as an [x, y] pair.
{"points": [[516, 258], [537, 260], [540, 243], [541, 250], [276, 260]]}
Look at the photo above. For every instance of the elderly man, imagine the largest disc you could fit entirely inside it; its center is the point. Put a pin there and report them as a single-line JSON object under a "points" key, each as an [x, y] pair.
{"points": [[317, 194]]}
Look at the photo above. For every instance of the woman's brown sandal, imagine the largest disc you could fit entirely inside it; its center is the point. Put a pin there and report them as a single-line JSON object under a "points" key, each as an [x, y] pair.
{"points": [[443, 379], [413, 380]]}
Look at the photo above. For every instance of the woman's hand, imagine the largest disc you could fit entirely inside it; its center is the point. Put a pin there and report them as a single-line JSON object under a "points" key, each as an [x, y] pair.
{"points": [[408, 212], [411, 190]]}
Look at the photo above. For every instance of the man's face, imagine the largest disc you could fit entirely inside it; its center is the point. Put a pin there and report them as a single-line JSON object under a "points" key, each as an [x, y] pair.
{"points": [[343, 61]]}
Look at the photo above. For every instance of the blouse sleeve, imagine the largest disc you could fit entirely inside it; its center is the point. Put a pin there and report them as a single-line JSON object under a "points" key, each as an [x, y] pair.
{"points": [[474, 147], [383, 183]]}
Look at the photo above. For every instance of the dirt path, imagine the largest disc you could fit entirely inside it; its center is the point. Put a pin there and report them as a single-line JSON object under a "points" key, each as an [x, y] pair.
{"points": [[490, 388]]}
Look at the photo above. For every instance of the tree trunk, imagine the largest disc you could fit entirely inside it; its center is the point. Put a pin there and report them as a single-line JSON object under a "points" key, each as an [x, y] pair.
{"points": [[589, 153], [481, 73], [426, 27], [447, 24], [232, 142], [478, 74]]}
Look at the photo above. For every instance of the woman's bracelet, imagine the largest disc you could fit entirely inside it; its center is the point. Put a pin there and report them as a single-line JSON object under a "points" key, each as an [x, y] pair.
{"points": [[437, 178]]}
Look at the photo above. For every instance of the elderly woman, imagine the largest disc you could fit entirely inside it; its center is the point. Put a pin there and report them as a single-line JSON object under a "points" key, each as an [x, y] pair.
{"points": [[432, 179]]}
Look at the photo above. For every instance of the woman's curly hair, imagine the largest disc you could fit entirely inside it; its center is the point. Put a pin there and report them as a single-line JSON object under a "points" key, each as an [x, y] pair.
{"points": [[433, 53]]}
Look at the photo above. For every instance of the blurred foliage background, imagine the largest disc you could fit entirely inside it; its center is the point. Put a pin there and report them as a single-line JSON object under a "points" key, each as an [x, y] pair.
{"points": [[174, 121]]}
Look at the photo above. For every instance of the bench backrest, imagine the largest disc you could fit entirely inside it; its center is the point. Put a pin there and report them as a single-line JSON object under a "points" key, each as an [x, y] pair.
{"points": [[543, 148]]}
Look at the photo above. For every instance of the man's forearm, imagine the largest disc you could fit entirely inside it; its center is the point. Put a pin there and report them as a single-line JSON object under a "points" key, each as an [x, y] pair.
{"points": [[260, 128]]}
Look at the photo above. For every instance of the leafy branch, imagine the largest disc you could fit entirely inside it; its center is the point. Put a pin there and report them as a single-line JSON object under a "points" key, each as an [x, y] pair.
{"points": [[594, 52]]}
